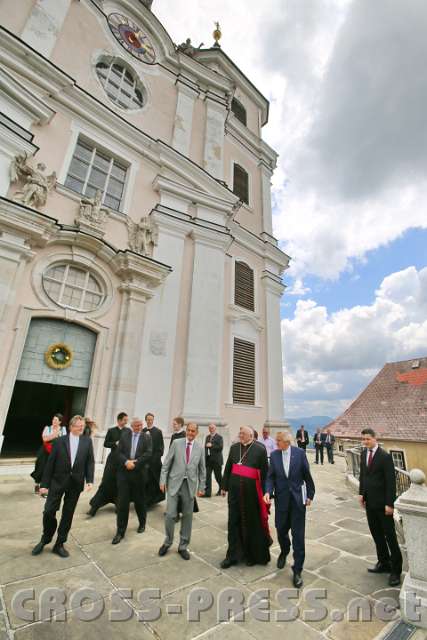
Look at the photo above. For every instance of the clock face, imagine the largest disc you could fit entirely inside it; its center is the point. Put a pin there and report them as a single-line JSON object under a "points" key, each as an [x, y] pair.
{"points": [[132, 37]]}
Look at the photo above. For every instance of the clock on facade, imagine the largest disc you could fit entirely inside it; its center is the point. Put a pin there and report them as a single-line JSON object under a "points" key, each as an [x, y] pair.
{"points": [[132, 37]]}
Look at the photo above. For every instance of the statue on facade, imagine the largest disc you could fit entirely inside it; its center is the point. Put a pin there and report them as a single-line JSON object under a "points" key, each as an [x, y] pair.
{"points": [[37, 184], [92, 212], [187, 48], [143, 235]]}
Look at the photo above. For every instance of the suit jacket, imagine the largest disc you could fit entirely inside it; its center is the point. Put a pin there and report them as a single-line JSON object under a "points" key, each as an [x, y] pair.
{"points": [[214, 453], [142, 454], [286, 487], [177, 436], [377, 484], [305, 439], [175, 468], [158, 445], [321, 438], [58, 470], [332, 439]]}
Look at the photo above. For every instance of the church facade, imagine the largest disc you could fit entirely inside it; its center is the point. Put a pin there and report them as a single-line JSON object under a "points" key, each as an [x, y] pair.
{"points": [[138, 267]]}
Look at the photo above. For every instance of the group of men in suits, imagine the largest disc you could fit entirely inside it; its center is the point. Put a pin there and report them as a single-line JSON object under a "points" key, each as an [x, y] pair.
{"points": [[250, 480], [322, 439]]}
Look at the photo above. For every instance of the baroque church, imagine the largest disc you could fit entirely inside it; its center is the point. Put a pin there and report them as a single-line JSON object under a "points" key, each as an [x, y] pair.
{"points": [[138, 267]]}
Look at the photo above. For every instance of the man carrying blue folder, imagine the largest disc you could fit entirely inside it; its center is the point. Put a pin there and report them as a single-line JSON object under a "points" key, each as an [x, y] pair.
{"points": [[290, 479]]}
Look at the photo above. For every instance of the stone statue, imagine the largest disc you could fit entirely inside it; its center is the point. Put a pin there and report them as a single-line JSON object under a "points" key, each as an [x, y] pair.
{"points": [[187, 48], [92, 212], [143, 235], [37, 183]]}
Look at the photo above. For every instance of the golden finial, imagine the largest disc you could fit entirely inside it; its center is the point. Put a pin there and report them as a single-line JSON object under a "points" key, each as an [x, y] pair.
{"points": [[217, 34]]}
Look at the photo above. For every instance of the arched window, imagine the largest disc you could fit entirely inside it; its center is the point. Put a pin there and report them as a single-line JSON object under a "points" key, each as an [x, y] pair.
{"points": [[73, 287], [239, 111], [244, 288], [241, 183], [120, 84]]}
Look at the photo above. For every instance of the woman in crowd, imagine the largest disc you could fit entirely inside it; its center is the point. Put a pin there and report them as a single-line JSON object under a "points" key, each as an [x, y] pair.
{"points": [[55, 430]]}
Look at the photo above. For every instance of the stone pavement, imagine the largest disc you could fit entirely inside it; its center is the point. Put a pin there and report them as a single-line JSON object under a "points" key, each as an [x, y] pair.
{"points": [[339, 550]]}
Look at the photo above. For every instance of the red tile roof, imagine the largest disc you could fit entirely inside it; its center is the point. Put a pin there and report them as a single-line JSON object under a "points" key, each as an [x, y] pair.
{"points": [[394, 404]]}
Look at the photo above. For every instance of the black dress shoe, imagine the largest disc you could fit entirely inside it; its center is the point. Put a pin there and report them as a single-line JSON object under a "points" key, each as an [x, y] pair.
{"points": [[141, 528], [91, 512], [380, 568], [60, 550], [163, 550], [227, 563], [297, 581], [38, 548], [394, 580], [281, 560], [185, 555], [117, 538]]}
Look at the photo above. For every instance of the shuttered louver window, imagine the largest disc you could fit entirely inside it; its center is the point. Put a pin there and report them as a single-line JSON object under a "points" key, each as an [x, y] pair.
{"points": [[244, 286], [241, 183], [243, 372], [239, 111]]}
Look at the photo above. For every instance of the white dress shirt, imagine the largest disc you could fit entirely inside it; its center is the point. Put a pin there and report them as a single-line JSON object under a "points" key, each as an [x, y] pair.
{"points": [[74, 445], [135, 440], [286, 457], [269, 443]]}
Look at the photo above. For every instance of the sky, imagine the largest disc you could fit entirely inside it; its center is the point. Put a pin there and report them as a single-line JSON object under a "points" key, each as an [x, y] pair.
{"points": [[347, 85]]}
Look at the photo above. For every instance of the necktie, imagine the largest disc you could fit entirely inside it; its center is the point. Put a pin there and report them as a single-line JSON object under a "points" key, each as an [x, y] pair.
{"points": [[187, 452], [370, 457], [134, 443]]}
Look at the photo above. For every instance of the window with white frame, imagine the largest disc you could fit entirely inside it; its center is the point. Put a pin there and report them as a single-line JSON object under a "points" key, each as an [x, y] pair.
{"points": [[94, 169], [398, 459], [243, 372], [73, 287], [121, 84]]}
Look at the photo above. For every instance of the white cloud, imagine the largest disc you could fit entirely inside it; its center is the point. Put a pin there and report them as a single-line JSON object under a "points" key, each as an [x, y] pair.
{"points": [[329, 358]]}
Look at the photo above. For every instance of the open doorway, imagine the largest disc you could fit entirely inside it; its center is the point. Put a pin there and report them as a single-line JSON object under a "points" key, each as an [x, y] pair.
{"points": [[31, 409]]}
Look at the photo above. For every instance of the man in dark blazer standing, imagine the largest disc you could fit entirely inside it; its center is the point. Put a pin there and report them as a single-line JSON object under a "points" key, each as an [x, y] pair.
{"points": [[133, 453], [154, 467], [290, 479], [214, 460], [302, 438], [107, 490], [329, 441], [377, 494], [319, 441], [70, 464]]}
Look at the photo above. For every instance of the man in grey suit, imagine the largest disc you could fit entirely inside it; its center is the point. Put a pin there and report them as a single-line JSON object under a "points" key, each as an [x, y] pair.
{"points": [[183, 475]]}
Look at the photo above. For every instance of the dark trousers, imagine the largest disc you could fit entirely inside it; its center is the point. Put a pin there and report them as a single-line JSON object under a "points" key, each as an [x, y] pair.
{"points": [[293, 519], [130, 488], [302, 445], [330, 452], [383, 532], [71, 496], [319, 453], [214, 467], [107, 490]]}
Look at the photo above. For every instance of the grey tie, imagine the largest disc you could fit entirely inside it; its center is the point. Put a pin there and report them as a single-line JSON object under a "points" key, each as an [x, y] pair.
{"points": [[134, 445]]}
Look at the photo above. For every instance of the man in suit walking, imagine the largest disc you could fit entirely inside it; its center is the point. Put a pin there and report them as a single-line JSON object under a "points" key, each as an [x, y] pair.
{"points": [[302, 438], [70, 464], [133, 453], [290, 479], [153, 468], [183, 475], [319, 441], [107, 490], [377, 494], [214, 460], [329, 441]]}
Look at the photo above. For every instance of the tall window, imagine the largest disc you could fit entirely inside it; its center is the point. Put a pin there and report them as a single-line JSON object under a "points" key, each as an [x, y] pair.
{"points": [[241, 183], [243, 372], [92, 169], [120, 84], [239, 111], [244, 286]]}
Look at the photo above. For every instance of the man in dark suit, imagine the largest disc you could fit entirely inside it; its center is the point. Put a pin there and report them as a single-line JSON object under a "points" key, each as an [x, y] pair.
{"points": [[70, 464], [154, 467], [319, 441], [302, 438], [178, 429], [377, 494], [107, 490], [133, 453], [290, 479], [329, 441], [214, 460]]}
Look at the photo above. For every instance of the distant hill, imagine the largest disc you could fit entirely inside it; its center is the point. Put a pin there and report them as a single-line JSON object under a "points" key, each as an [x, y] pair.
{"points": [[310, 423]]}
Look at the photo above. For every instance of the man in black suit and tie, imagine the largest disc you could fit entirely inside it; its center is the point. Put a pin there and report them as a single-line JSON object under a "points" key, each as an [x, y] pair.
{"points": [[377, 494], [319, 441], [214, 460], [154, 467], [302, 438], [107, 490], [329, 441], [133, 453], [70, 464]]}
